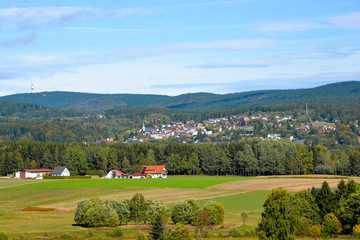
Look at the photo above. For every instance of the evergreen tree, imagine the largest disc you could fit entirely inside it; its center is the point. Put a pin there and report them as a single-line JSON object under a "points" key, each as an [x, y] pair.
{"points": [[326, 200]]}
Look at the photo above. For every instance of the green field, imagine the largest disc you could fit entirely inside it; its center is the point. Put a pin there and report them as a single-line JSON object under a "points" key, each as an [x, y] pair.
{"points": [[63, 196], [171, 182]]}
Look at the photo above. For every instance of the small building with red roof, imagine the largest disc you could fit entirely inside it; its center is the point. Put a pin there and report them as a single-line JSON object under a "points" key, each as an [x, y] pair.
{"points": [[116, 174], [33, 173]]}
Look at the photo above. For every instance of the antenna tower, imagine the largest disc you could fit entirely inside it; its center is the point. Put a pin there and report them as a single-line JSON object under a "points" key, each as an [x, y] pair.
{"points": [[32, 88]]}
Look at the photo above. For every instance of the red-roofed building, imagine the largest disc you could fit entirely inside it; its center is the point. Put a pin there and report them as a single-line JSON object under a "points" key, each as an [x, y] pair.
{"points": [[157, 171], [138, 175], [32, 173], [116, 174]]}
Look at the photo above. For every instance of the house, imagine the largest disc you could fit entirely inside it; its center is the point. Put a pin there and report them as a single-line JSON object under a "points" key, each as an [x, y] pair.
{"points": [[157, 171], [138, 175], [116, 174], [32, 173], [60, 171]]}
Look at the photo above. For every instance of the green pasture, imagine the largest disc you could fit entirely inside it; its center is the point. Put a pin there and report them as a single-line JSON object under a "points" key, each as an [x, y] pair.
{"points": [[170, 182]]}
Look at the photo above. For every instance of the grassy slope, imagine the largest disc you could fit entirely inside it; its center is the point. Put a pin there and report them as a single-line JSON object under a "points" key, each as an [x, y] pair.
{"points": [[171, 182]]}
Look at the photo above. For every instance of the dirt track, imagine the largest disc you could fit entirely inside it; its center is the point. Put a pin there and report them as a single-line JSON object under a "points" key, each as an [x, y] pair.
{"points": [[291, 184]]}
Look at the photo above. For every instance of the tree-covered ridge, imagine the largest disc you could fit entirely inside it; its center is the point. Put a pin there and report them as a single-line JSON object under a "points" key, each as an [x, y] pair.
{"points": [[341, 93], [33, 111], [37, 123]]}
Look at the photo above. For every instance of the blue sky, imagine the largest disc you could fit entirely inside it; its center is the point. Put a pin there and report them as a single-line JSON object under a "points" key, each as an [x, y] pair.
{"points": [[172, 47]]}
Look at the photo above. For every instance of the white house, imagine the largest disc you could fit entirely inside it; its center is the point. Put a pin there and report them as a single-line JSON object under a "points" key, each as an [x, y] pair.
{"points": [[32, 173], [116, 174], [60, 171], [158, 171]]}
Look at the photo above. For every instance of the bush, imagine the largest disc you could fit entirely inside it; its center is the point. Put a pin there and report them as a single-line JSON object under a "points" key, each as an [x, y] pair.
{"points": [[216, 212], [183, 212], [179, 232], [3, 236], [83, 207], [152, 208], [89, 234], [140, 236], [356, 231], [118, 232], [100, 215], [122, 208], [315, 231]]}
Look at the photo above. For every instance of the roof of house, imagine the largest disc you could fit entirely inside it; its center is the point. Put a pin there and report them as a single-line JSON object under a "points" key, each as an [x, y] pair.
{"points": [[58, 170], [38, 170], [157, 169], [118, 173], [139, 174]]}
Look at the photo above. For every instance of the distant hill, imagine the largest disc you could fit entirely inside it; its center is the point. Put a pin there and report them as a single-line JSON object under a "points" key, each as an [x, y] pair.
{"points": [[33, 111], [347, 93]]}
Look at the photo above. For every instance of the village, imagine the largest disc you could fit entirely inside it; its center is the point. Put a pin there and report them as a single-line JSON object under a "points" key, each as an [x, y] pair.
{"points": [[228, 128]]}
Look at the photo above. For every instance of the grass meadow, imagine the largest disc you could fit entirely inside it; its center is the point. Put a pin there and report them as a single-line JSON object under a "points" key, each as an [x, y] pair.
{"points": [[63, 196]]}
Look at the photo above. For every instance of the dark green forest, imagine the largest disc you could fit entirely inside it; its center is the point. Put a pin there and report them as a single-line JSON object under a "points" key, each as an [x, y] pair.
{"points": [[346, 93], [250, 157]]}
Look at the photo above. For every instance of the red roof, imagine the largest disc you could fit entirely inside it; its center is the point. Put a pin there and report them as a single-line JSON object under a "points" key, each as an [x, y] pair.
{"points": [[158, 169], [139, 174], [118, 173], [39, 170]]}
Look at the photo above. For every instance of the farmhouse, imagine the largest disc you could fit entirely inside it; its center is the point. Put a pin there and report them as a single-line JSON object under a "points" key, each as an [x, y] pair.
{"points": [[116, 174], [32, 173], [60, 171], [138, 175], [158, 171]]}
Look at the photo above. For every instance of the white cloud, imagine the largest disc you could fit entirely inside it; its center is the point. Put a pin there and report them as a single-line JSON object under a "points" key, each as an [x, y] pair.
{"points": [[37, 17], [347, 21], [289, 26]]}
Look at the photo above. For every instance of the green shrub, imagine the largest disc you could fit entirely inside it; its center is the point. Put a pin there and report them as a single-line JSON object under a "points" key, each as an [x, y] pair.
{"points": [[140, 236], [183, 212], [100, 215], [3, 236], [89, 234], [216, 212], [66, 235], [122, 208], [179, 232], [118, 232], [83, 207], [152, 208]]}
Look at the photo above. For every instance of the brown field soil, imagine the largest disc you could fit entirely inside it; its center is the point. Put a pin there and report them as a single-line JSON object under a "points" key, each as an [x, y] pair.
{"points": [[323, 176], [165, 195], [291, 184]]}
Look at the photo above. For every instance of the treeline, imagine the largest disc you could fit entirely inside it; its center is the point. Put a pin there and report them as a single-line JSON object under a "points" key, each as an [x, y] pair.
{"points": [[314, 212], [246, 158]]}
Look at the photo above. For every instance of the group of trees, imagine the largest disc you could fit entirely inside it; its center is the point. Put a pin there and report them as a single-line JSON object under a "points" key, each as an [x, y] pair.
{"points": [[316, 212], [97, 213], [247, 158]]}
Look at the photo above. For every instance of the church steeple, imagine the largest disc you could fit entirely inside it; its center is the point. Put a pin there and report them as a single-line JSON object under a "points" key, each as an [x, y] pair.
{"points": [[143, 127]]}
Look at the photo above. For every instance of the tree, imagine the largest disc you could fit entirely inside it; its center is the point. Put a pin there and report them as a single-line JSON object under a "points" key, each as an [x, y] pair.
{"points": [[279, 219], [331, 225], [158, 227], [202, 222], [138, 208], [244, 217], [349, 212], [308, 207], [183, 212], [216, 212], [325, 199], [122, 208]]}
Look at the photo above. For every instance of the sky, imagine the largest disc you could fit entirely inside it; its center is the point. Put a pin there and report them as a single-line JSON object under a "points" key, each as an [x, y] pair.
{"points": [[172, 47]]}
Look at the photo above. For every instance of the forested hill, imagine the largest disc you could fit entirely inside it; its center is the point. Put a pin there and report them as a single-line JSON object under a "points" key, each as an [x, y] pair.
{"points": [[33, 111], [339, 93]]}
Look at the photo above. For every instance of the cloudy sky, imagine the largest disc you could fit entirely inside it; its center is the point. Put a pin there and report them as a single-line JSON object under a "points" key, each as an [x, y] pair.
{"points": [[177, 46]]}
